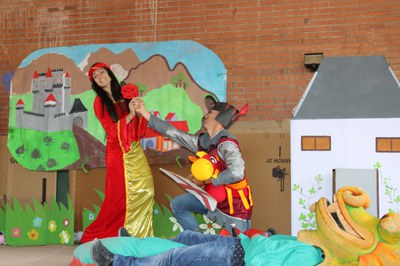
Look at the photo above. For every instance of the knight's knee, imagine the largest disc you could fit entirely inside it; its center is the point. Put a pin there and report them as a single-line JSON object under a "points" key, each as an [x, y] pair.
{"points": [[173, 205]]}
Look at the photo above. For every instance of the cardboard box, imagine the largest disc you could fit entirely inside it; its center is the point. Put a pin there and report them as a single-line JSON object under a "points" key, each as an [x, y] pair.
{"points": [[3, 169], [17, 181], [267, 160], [83, 187], [265, 147]]}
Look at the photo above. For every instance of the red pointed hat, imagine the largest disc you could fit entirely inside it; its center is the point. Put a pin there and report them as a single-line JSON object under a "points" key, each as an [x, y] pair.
{"points": [[228, 113], [96, 66]]}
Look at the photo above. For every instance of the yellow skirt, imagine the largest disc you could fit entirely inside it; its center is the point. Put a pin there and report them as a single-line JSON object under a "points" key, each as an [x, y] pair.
{"points": [[139, 192]]}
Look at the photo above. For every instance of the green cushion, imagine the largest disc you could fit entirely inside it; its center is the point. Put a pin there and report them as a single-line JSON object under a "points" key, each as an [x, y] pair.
{"points": [[280, 250]]}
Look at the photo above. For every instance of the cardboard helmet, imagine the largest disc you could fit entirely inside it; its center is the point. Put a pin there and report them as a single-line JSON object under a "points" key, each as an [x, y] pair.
{"points": [[227, 113]]}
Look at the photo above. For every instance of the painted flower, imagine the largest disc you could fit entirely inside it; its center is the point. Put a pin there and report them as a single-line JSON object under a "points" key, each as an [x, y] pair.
{"points": [[64, 237], [176, 224], [66, 222], [37, 222], [129, 91], [156, 211], [52, 226], [91, 216], [16, 232], [209, 226], [33, 235]]}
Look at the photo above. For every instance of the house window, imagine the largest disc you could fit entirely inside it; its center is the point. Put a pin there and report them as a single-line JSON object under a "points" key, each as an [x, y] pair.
{"points": [[387, 144], [315, 143]]}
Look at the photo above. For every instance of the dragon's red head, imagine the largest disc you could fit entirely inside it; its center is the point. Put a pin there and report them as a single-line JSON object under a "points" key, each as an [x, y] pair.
{"points": [[204, 166]]}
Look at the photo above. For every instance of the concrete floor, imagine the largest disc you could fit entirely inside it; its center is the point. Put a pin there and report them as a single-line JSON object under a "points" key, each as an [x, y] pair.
{"points": [[50, 255]]}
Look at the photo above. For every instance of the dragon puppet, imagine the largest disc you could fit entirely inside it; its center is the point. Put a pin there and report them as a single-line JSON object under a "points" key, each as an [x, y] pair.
{"points": [[205, 167], [349, 235]]}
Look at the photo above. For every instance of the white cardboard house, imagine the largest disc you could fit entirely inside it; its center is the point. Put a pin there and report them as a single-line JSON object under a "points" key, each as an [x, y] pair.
{"points": [[346, 131]]}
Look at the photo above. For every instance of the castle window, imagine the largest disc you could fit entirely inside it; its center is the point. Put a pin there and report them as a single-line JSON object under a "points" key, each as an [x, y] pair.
{"points": [[387, 144], [315, 143]]}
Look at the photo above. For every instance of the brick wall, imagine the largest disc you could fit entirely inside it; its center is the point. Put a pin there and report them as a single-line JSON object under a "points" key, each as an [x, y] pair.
{"points": [[262, 43]]}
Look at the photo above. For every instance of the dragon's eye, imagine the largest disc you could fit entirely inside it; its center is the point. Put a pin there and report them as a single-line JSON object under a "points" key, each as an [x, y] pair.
{"points": [[213, 160]]}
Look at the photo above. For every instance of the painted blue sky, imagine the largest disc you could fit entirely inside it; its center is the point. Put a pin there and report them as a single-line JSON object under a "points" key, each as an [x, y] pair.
{"points": [[204, 65]]}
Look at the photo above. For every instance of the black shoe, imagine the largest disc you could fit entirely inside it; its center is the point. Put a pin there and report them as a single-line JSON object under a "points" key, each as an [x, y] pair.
{"points": [[271, 231], [100, 254], [123, 232]]}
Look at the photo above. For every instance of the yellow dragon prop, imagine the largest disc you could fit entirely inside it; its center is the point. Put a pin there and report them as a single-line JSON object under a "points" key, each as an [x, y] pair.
{"points": [[349, 235]]}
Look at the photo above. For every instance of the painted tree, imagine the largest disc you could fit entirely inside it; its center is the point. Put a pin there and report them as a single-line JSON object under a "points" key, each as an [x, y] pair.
{"points": [[180, 81], [142, 88]]}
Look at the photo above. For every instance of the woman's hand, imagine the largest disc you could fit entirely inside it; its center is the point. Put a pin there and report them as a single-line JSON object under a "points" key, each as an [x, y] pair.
{"points": [[132, 105], [132, 112]]}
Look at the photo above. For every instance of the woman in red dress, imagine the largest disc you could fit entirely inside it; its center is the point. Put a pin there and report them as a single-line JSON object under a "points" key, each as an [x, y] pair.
{"points": [[129, 191]]}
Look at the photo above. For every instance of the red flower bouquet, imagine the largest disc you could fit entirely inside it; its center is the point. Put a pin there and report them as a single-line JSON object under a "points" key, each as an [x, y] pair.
{"points": [[129, 91]]}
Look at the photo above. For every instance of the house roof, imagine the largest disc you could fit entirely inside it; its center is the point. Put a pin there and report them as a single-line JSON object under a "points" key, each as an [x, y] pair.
{"points": [[170, 117], [351, 87], [181, 125]]}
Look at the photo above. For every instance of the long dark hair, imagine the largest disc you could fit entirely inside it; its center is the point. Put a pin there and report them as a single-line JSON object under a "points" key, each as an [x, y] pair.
{"points": [[116, 94]]}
